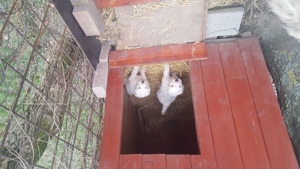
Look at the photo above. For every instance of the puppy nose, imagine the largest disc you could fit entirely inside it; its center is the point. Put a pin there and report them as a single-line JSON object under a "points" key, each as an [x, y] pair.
{"points": [[142, 81], [176, 80]]}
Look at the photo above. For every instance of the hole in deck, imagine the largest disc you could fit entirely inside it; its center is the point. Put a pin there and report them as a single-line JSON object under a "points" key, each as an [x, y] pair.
{"points": [[146, 131]]}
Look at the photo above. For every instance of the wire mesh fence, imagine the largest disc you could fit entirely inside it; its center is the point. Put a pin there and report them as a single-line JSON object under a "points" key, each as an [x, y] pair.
{"points": [[49, 116]]}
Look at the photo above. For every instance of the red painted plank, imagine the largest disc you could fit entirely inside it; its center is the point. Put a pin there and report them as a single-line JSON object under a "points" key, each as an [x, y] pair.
{"points": [[222, 125], [133, 161], [248, 129], [178, 162], [278, 143], [207, 159], [114, 3], [160, 54], [231, 60], [154, 161], [111, 140]]}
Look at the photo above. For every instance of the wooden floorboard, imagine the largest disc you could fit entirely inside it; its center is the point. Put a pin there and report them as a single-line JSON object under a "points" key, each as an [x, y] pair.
{"points": [[160, 54], [231, 60], [246, 122], [277, 140], [222, 125], [207, 159], [111, 139], [248, 129], [131, 161], [178, 162], [154, 161]]}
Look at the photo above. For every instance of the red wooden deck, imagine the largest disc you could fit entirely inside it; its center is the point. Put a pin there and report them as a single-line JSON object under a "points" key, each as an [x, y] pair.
{"points": [[160, 54], [238, 120]]}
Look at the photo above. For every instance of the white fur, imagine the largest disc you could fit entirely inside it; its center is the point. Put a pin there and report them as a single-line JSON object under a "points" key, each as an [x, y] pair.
{"points": [[170, 88], [137, 85], [288, 12]]}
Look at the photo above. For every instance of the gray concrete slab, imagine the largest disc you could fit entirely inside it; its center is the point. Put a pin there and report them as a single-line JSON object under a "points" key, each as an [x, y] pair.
{"points": [[100, 80], [105, 49], [223, 22], [89, 17]]}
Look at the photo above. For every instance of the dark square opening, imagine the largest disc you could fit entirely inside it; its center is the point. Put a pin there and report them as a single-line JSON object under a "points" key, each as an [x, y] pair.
{"points": [[146, 131]]}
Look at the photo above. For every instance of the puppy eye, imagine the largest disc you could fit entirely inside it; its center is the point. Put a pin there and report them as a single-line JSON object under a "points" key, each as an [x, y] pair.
{"points": [[179, 86], [139, 87], [171, 85]]}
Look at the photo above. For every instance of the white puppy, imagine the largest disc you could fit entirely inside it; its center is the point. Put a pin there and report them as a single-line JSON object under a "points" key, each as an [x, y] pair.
{"points": [[170, 88], [137, 85], [288, 12]]}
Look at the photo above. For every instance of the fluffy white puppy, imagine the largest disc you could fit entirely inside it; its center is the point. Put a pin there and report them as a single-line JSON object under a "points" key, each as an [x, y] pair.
{"points": [[170, 88], [288, 12], [137, 85]]}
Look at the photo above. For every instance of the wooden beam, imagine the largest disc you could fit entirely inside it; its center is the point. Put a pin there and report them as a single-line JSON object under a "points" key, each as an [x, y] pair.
{"points": [[109, 4], [161, 54], [89, 45], [111, 139]]}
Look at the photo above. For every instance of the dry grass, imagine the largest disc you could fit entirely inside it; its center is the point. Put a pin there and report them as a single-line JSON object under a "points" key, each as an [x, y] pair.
{"points": [[113, 26]]}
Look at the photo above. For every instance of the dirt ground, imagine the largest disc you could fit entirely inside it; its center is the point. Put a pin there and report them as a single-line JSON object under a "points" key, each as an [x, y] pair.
{"points": [[282, 55]]}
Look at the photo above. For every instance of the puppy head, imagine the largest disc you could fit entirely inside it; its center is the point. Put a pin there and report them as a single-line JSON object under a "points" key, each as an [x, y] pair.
{"points": [[142, 89], [175, 87]]}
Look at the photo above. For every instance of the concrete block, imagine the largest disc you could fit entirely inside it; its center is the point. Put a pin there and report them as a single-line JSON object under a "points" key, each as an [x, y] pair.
{"points": [[105, 49], [89, 19], [224, 22], [247, 34], [100, 80], [79, 2]]}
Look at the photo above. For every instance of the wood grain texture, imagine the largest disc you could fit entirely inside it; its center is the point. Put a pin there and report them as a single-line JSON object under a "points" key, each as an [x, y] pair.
{"points": [[154, 161], [172, 53], [111, 139], [132, 161], [207, 159], [238, 120], [222, 124], [232, 62], [277, 140], [248, 129], [178, 162]]}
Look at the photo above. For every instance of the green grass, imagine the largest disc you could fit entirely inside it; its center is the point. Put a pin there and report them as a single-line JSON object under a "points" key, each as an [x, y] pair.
{"points": [[46, 147]]}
